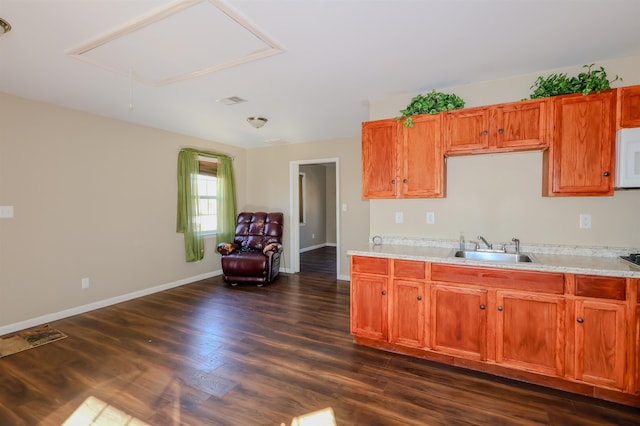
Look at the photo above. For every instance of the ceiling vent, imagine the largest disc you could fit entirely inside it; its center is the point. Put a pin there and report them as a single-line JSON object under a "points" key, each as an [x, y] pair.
{"points": [[183, 40], [231, 100]]}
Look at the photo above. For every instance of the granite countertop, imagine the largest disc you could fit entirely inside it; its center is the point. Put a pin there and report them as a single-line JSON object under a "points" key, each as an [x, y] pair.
{"points": [[565, 259]]}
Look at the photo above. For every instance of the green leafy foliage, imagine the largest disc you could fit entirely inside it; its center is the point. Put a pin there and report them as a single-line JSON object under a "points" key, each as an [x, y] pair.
{"points": [[432, 103], [560, 84]]}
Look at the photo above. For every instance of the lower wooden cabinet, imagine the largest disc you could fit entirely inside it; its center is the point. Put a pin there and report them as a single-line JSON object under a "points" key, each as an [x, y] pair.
{"points": [[408, 301], [530, 331], [369, 297], [458, 321], [600, 342], [579, 333], [637, 353]]}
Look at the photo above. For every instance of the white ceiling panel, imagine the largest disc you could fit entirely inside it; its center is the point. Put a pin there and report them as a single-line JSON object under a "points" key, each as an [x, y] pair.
{"points": [[183, 40]]}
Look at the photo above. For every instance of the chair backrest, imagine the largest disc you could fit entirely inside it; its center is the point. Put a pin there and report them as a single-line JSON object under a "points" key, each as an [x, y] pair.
{"points": [[255, 231]]}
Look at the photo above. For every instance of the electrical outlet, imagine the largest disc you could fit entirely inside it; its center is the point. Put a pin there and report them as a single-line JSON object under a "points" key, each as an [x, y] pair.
{"points": [[431, 218], [85, 283], [398, 217], [313, 235], [6, 211], [585, 221]]}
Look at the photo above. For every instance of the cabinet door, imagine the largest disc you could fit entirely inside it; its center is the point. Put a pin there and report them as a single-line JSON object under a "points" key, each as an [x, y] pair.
{"points": [[369, 306], [637, 357], [467, 130], [629, 106], [600, 342], [530, 332], [458, 321], [379, 162], [521, 125], [422, 159], [581, 153], [408, 313]]}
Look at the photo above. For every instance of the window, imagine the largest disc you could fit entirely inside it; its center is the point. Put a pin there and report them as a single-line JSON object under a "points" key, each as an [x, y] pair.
{"points": [[207, 201]]}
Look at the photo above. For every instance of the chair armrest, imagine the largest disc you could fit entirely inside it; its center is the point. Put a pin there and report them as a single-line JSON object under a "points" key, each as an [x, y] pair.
{"points": [[226, 248], [273, 247]]}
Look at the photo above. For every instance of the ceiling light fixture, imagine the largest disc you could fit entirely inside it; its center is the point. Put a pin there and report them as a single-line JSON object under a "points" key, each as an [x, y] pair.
{"points": [[257, 122], [5, 27]]}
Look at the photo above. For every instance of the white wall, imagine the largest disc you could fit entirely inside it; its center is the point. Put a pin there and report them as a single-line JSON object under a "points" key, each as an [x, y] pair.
{"points": [[93, 197], [500, 196], [268, 188]]}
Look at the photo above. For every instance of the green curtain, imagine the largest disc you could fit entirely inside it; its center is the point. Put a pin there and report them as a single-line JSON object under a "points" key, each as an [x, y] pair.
{"points": [[186, 219]]}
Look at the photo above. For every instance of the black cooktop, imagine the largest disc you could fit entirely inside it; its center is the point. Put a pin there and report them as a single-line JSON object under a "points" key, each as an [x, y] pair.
{"points": [[633, 258]]}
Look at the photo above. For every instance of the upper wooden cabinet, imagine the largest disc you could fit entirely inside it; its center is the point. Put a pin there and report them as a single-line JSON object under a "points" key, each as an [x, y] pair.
{"points": [[379, 158], [581, 155], [629, 106], [515, 126], [403, 162]]}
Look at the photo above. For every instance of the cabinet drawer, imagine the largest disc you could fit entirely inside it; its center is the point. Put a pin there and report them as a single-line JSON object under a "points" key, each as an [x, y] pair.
{"points": [[602, 287], [409, 269], [370, 265], [539, 282]]}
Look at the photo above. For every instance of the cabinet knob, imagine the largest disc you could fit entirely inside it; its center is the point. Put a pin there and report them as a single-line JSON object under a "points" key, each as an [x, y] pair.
{"points": [[485, 132], [500, 308], [501, 131], [384, 292], [482, 307], [405, 180], [419, 297], [393, 181], [580, 320], [605, 174]]}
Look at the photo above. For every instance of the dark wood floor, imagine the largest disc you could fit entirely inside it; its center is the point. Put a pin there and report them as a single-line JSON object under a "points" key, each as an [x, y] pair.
{"points": [[320, 262], [205, 353]]}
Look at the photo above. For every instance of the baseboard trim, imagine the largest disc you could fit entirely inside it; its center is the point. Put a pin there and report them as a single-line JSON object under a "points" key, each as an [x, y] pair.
{"points": [[317, 246], [33, 322]]}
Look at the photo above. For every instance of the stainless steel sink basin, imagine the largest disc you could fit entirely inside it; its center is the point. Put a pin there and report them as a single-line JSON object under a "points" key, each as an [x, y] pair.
{"points": [[494, 256]]}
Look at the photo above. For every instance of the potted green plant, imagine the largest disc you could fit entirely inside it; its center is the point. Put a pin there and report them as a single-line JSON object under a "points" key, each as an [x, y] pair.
{"points": [[431, 103], [591, 80]]}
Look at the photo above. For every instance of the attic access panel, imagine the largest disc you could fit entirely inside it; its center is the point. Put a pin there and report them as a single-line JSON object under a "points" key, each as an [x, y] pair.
{"points": [[181, 41]]}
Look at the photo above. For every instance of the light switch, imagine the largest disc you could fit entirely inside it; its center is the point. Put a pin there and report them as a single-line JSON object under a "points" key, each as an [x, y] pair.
{"points": [[344, 207], [6, 211]]}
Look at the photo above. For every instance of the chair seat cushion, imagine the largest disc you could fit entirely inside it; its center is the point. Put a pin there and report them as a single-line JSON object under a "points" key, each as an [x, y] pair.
{"points": [[245, 263]]}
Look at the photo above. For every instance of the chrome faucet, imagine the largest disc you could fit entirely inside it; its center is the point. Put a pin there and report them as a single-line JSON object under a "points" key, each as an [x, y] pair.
{"points": [[517, 242], [489, 246]]}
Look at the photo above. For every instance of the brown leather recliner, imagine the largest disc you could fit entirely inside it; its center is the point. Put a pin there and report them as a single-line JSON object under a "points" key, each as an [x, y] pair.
{"points": [[254, 255]]}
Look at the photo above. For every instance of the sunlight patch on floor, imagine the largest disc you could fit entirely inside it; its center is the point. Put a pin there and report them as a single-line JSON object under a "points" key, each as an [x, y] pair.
{"points": [[94, 411], [324, 417]]}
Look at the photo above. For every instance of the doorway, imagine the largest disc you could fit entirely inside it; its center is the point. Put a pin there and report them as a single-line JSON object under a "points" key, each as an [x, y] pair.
{"points": [[308, 208]]}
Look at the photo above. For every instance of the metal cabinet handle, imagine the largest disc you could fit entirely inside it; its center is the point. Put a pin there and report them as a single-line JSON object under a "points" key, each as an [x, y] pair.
{"points": [[485, 132], [419, 297], [482, 307], [393, 181], [605, 174], [580, 320], [384, 292], [501, 131], [405, 180], [500, 308]]}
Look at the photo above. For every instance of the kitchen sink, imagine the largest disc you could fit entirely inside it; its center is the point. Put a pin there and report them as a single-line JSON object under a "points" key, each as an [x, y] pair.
{"points": [[493, 256]]}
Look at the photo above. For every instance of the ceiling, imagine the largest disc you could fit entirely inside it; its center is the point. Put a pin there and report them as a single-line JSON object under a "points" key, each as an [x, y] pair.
{"points": [[309, 66]]}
